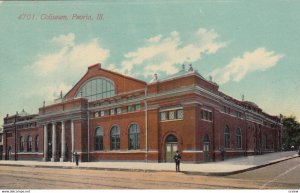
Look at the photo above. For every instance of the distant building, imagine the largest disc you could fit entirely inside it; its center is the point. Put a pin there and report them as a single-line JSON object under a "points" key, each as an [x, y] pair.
{"points": [[110, 116], [1, 142]]}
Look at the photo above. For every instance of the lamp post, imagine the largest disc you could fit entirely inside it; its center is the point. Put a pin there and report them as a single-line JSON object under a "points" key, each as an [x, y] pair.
{"points": [[16, 135]]}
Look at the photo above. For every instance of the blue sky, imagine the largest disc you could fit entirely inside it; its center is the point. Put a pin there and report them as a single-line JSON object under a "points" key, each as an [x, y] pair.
{"points": [[248, 47]]}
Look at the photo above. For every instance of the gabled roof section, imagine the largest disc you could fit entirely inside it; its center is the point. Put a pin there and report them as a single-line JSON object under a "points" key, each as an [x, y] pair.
{"points": [[122, 82]]}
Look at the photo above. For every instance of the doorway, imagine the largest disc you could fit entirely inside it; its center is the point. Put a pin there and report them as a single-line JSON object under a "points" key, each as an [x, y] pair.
{"points": [[206, 148], [171, 146], [8, 156]]}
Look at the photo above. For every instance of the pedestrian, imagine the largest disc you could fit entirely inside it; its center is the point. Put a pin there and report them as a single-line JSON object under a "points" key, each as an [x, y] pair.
{"points": [[76, 156], [177, 158]]}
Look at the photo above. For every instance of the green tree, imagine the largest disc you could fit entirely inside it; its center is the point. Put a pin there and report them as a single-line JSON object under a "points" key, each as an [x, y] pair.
{"points": [[291, 133]]}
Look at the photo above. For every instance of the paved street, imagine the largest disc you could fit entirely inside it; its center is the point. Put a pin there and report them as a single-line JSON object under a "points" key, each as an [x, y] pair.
{"points": [[285, 175]]}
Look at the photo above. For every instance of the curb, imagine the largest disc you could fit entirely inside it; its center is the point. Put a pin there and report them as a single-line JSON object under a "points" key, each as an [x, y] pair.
{"points": [[238, 171], [149, 170]]}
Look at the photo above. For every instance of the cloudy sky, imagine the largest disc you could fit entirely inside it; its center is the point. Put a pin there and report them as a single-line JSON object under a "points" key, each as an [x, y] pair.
{"points": [[250, 48]]}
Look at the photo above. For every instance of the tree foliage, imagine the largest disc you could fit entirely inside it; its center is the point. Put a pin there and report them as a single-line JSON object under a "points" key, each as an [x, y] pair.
{"points": [[291, 133]]}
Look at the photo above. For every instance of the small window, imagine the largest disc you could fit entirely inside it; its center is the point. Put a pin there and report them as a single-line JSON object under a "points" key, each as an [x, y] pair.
{"points": [[112, 111], [171, 115], [137, 107], [206, 115], [227, 110], [130, 108], [162, 116], [179, 114], [119, 110], [102, 113]]}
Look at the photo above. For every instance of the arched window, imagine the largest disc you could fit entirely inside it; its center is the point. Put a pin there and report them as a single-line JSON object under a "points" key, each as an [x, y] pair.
{"points": [[226, 137], [29, 144], [36, 143], [171, 139], [134, 137], [115, 138], [238, 138], [96, 89], [21, 143], [265, 141], [99, 139]]}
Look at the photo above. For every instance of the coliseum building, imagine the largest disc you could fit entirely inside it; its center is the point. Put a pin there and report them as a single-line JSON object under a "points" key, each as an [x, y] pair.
{"points": [[108, 116]]}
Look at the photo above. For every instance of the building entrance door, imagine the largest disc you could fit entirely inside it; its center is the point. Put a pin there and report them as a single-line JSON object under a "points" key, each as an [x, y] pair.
{"points": [[8, 153], [171, 146], [206, 148]]}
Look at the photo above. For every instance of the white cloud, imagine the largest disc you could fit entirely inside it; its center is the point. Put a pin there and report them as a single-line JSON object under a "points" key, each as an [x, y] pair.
{"points": [[163, 54], [258, 60], [70, 57], [154, 39], [65, 40], [64, 65]]}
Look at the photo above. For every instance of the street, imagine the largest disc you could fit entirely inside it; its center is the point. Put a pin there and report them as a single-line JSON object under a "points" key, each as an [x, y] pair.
{"points": [[283, 175]]}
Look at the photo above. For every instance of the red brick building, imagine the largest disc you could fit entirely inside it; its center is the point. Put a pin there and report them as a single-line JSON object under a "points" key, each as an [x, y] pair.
{"points": [[108, 116]]}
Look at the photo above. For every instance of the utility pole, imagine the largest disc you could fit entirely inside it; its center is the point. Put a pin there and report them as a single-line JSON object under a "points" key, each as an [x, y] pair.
{"points": [[15, 123]]}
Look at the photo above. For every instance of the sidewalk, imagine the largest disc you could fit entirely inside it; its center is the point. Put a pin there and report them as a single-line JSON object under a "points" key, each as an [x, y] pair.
{"points": [[221, 168]]}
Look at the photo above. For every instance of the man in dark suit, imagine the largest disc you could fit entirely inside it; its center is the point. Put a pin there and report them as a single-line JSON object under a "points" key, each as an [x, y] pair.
{"points": [[177, 158]]}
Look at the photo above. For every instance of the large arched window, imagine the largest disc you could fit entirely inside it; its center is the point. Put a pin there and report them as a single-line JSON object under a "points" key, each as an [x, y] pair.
{"points": [[36, 146], [226, 137], [115, 138], [238, 135], [29, 144], [134, 137], [99, 139], [21, 143], [96, 89]]}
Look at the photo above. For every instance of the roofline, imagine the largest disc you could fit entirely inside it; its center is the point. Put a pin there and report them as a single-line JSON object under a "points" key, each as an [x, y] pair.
{"points": [[125, 76], [109, 71]]}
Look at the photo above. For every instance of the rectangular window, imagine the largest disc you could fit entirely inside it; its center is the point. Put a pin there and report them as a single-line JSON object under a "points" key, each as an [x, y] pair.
{"points": [[179, 114], [130, 108], [239, 114], [96, 114], [227, 110], [112, 111], [162, 116], [102, 113], [171, 115], [206, 115], [119, 110], [137, 107]]}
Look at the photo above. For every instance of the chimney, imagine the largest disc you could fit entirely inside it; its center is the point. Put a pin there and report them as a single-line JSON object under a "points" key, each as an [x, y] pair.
{"points": [[191, 68], [155, 77]]}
